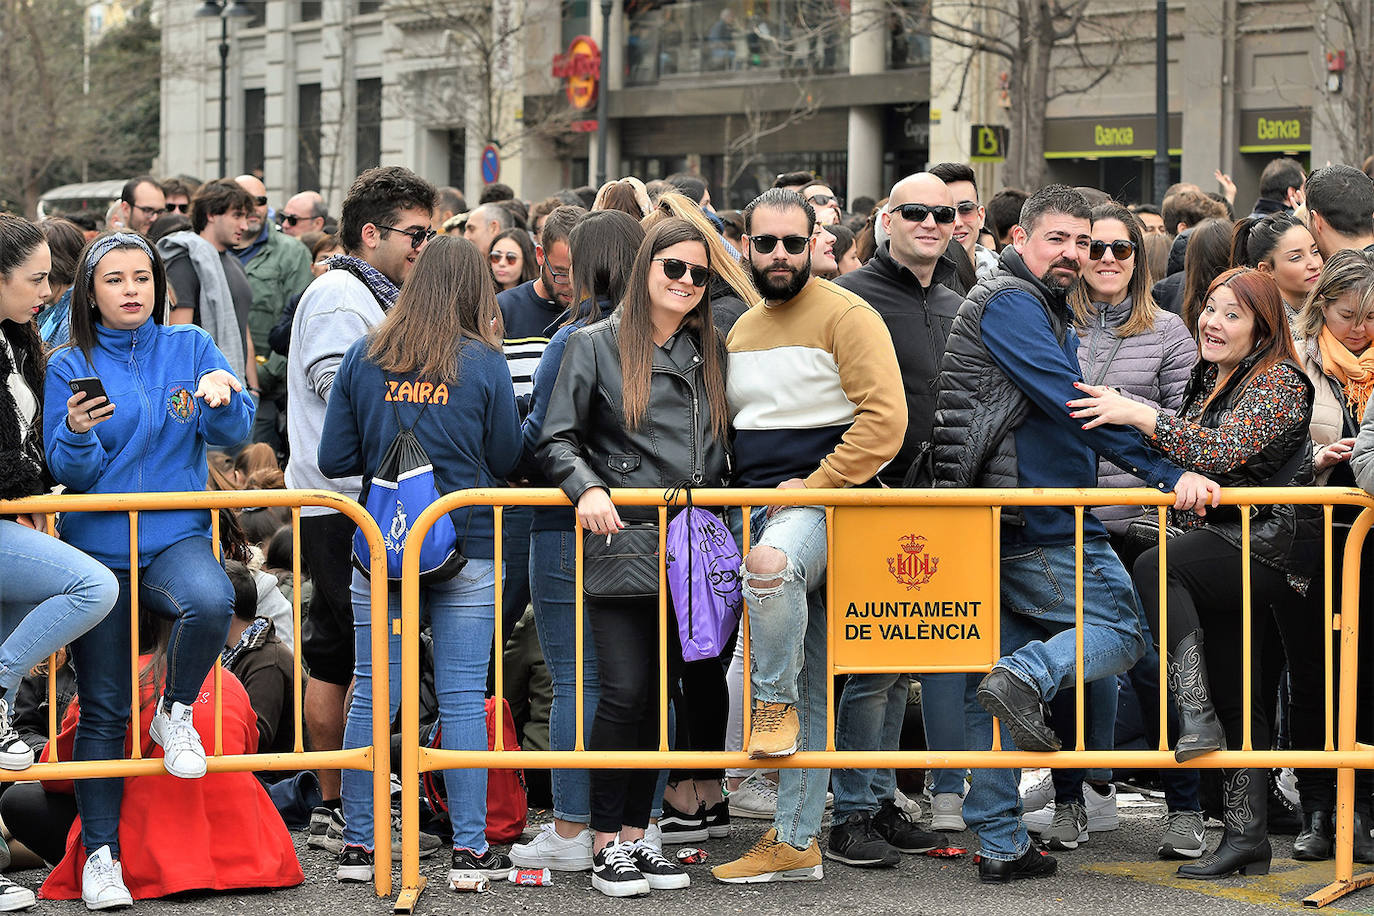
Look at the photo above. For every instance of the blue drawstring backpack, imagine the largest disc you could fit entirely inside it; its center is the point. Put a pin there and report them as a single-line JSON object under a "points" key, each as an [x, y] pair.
{"points": [[703, 579], [399, 490]]}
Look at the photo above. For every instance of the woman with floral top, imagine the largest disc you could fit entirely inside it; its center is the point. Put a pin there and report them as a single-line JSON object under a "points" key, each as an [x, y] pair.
{"points": [[1243, 422]]}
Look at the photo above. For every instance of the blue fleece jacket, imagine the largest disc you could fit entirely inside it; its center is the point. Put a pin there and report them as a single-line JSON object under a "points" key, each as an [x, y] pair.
{"points": [[154, 442], [469, 429]]}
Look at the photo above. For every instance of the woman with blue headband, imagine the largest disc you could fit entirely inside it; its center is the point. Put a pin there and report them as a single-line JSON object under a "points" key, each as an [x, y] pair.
{"points": [[167, 391]]}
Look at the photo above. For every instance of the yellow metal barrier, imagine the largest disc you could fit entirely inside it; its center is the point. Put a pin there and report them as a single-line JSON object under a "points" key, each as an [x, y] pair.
{"points": [[374, 757], [1341, 752]]}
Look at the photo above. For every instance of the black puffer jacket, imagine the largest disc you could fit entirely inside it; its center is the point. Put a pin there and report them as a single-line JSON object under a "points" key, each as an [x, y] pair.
{"points": [[919, 320], [1285, 537], [22, 469], [977, 406], [585, 444]]}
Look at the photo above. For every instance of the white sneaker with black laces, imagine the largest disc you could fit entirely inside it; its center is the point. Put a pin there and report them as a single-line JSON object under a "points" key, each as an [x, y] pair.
{"points": [[14, 753], [614, 873], [173, 728], [662, 874], [13, 897], [102, 882], [465, 864]]}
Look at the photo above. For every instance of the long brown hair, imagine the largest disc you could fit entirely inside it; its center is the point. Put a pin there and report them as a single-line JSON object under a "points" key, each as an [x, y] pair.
{"points": [[1144, 312], [1257, 292], [1207, 255], [448, 298], [636, 330], [673, 204]]}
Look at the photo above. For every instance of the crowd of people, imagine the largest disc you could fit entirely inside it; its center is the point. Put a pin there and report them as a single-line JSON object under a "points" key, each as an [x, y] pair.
{"points": [[633, 336]]}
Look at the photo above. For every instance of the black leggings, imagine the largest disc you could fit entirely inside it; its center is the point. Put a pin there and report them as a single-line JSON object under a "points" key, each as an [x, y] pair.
{"points": [[701, 703], [626, 635], [39, 819], [1204, 592]]}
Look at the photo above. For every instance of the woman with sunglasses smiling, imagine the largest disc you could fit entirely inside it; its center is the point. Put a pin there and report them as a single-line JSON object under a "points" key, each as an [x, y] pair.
{"points": [[1129, 343], [639, 402], [512, 259]]}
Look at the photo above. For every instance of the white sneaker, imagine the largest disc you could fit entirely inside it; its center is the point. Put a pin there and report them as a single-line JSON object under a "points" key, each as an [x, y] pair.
{"points": [[183, 755], [13, 897], [102, 882], [1101, 808], [1039, 820], [947, 812], [756, 798], [906, 804], [1038, 794], [15, 754], [554, 852], [653, 836]]}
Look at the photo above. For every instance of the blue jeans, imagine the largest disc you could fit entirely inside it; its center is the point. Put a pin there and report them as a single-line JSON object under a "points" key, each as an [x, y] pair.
{"points": [[869, 717], [1038, 633], [553, 558], [185, 584], [462, 618], [50, 594], [942, 713], [784, 668]]}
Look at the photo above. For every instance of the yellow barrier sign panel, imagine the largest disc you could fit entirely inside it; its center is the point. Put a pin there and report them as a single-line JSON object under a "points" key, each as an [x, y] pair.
{"points": [[914, 588]]}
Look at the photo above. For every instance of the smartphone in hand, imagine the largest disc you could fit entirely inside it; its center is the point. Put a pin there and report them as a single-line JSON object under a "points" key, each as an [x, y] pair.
{"points": [[91, 387]]}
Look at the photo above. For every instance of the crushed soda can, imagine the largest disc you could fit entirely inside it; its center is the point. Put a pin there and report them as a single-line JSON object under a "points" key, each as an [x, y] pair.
{"points": [[530, 877], [690, 855], [947, 852], [473, 885]]}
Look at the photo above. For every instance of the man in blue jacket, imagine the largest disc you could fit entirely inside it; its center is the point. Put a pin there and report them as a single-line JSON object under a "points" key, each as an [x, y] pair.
{"points": [[1001, 420]]}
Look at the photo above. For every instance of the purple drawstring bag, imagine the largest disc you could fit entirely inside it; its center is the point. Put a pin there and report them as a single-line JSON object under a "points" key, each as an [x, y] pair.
{"points": [[703, 579]]}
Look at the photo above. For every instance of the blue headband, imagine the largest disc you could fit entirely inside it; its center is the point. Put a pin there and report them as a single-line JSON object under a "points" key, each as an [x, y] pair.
{"points": [[107, 243]]}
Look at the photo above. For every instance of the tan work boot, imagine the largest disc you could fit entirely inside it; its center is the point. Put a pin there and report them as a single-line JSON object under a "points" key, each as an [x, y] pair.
{"points": [[771, 860], [773, 729]]}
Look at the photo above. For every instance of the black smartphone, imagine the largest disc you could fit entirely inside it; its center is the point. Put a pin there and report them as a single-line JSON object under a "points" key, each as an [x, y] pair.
{"points": [[91, 387]]}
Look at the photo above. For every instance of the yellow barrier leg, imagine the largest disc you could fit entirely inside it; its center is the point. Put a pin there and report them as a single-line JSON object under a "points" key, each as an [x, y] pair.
{"points": [[412, 882]]}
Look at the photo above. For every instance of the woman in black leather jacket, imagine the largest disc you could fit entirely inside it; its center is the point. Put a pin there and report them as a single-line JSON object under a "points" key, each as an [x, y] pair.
{"points": [[639, 402], [1243, 422]]}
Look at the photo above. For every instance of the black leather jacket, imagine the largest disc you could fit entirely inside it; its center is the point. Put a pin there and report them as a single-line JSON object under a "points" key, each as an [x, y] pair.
{"points": [[585, 444]]}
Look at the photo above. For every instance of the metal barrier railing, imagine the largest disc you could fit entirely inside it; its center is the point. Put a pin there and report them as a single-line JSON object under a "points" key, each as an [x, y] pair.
{"points": [[977, 526], [362, 758]]}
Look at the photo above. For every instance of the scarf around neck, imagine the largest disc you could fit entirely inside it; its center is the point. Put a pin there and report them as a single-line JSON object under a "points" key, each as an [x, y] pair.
{"points": [[382, 289], [1355, 373]]}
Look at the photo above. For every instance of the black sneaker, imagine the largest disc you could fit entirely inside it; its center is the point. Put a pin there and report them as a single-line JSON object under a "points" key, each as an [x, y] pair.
{"points": [[718, 820], [894, 825], [1036, 863], [355, 864], [678, 827], [662, 874], [614, 872], [490, 864], [855, 842], [1020, 708]]}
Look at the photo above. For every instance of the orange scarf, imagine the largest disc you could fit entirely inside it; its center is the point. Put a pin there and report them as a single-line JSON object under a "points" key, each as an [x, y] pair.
{"points": [[1355, 373]]}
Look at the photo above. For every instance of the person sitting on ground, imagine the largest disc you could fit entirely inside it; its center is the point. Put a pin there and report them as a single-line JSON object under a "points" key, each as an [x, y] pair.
{"points": [[261, 662]]}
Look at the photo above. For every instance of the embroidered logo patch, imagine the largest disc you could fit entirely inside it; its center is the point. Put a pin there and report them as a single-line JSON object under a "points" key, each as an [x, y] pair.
{"points": [[181, 405]]}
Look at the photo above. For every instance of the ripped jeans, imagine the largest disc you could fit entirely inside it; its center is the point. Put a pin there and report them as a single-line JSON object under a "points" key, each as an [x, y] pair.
{"points": [[787, 627]]}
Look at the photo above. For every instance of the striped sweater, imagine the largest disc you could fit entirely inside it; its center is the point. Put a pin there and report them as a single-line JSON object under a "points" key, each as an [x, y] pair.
{"points": [[815, 391]]}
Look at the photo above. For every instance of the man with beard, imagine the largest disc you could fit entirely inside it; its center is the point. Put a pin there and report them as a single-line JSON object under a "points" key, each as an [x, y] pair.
{"points": [[815, 392], [1001, 420]]}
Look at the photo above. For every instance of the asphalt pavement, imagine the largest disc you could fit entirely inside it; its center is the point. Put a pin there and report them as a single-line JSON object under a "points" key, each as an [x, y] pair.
{"points": [[1115, 872]]}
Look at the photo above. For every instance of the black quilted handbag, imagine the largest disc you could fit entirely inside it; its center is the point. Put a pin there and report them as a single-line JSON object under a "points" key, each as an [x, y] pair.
{"points": [[626, 567]]}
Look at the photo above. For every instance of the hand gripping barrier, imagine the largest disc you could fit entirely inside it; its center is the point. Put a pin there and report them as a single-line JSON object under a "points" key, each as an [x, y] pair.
{"points": [[362, 758], [1341, 751]]}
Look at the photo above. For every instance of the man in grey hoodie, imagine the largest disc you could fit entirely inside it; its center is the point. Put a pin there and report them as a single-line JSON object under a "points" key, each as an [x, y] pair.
{"points": [[384, 226]]}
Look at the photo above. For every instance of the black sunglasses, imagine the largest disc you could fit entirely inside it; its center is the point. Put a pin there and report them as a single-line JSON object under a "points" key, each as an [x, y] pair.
{"points": [[291, 219], [417, 236], [673, 269], [917, 213], [965, 207], [1121, 249], [823, 200], [792, 244], [178, 208], [260, 201]]}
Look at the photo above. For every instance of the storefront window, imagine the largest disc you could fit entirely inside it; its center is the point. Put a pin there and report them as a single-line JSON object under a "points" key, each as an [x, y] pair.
{"points": [[909, 24], [792, 37]]}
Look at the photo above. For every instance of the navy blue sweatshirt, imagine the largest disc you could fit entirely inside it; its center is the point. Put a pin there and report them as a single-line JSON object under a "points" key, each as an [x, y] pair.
{"points": [[530, 321], [469, 428], [1052, 448]]}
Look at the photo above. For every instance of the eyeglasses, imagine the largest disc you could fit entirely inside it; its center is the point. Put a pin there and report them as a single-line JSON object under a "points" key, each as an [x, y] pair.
{"points": [[792, 244], [673, 269], [965, 207], [512, 257], [260, 201], [417, 236], [177, 208], [917, 213], [150, 212], [823, 200], [1121, 249]]}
